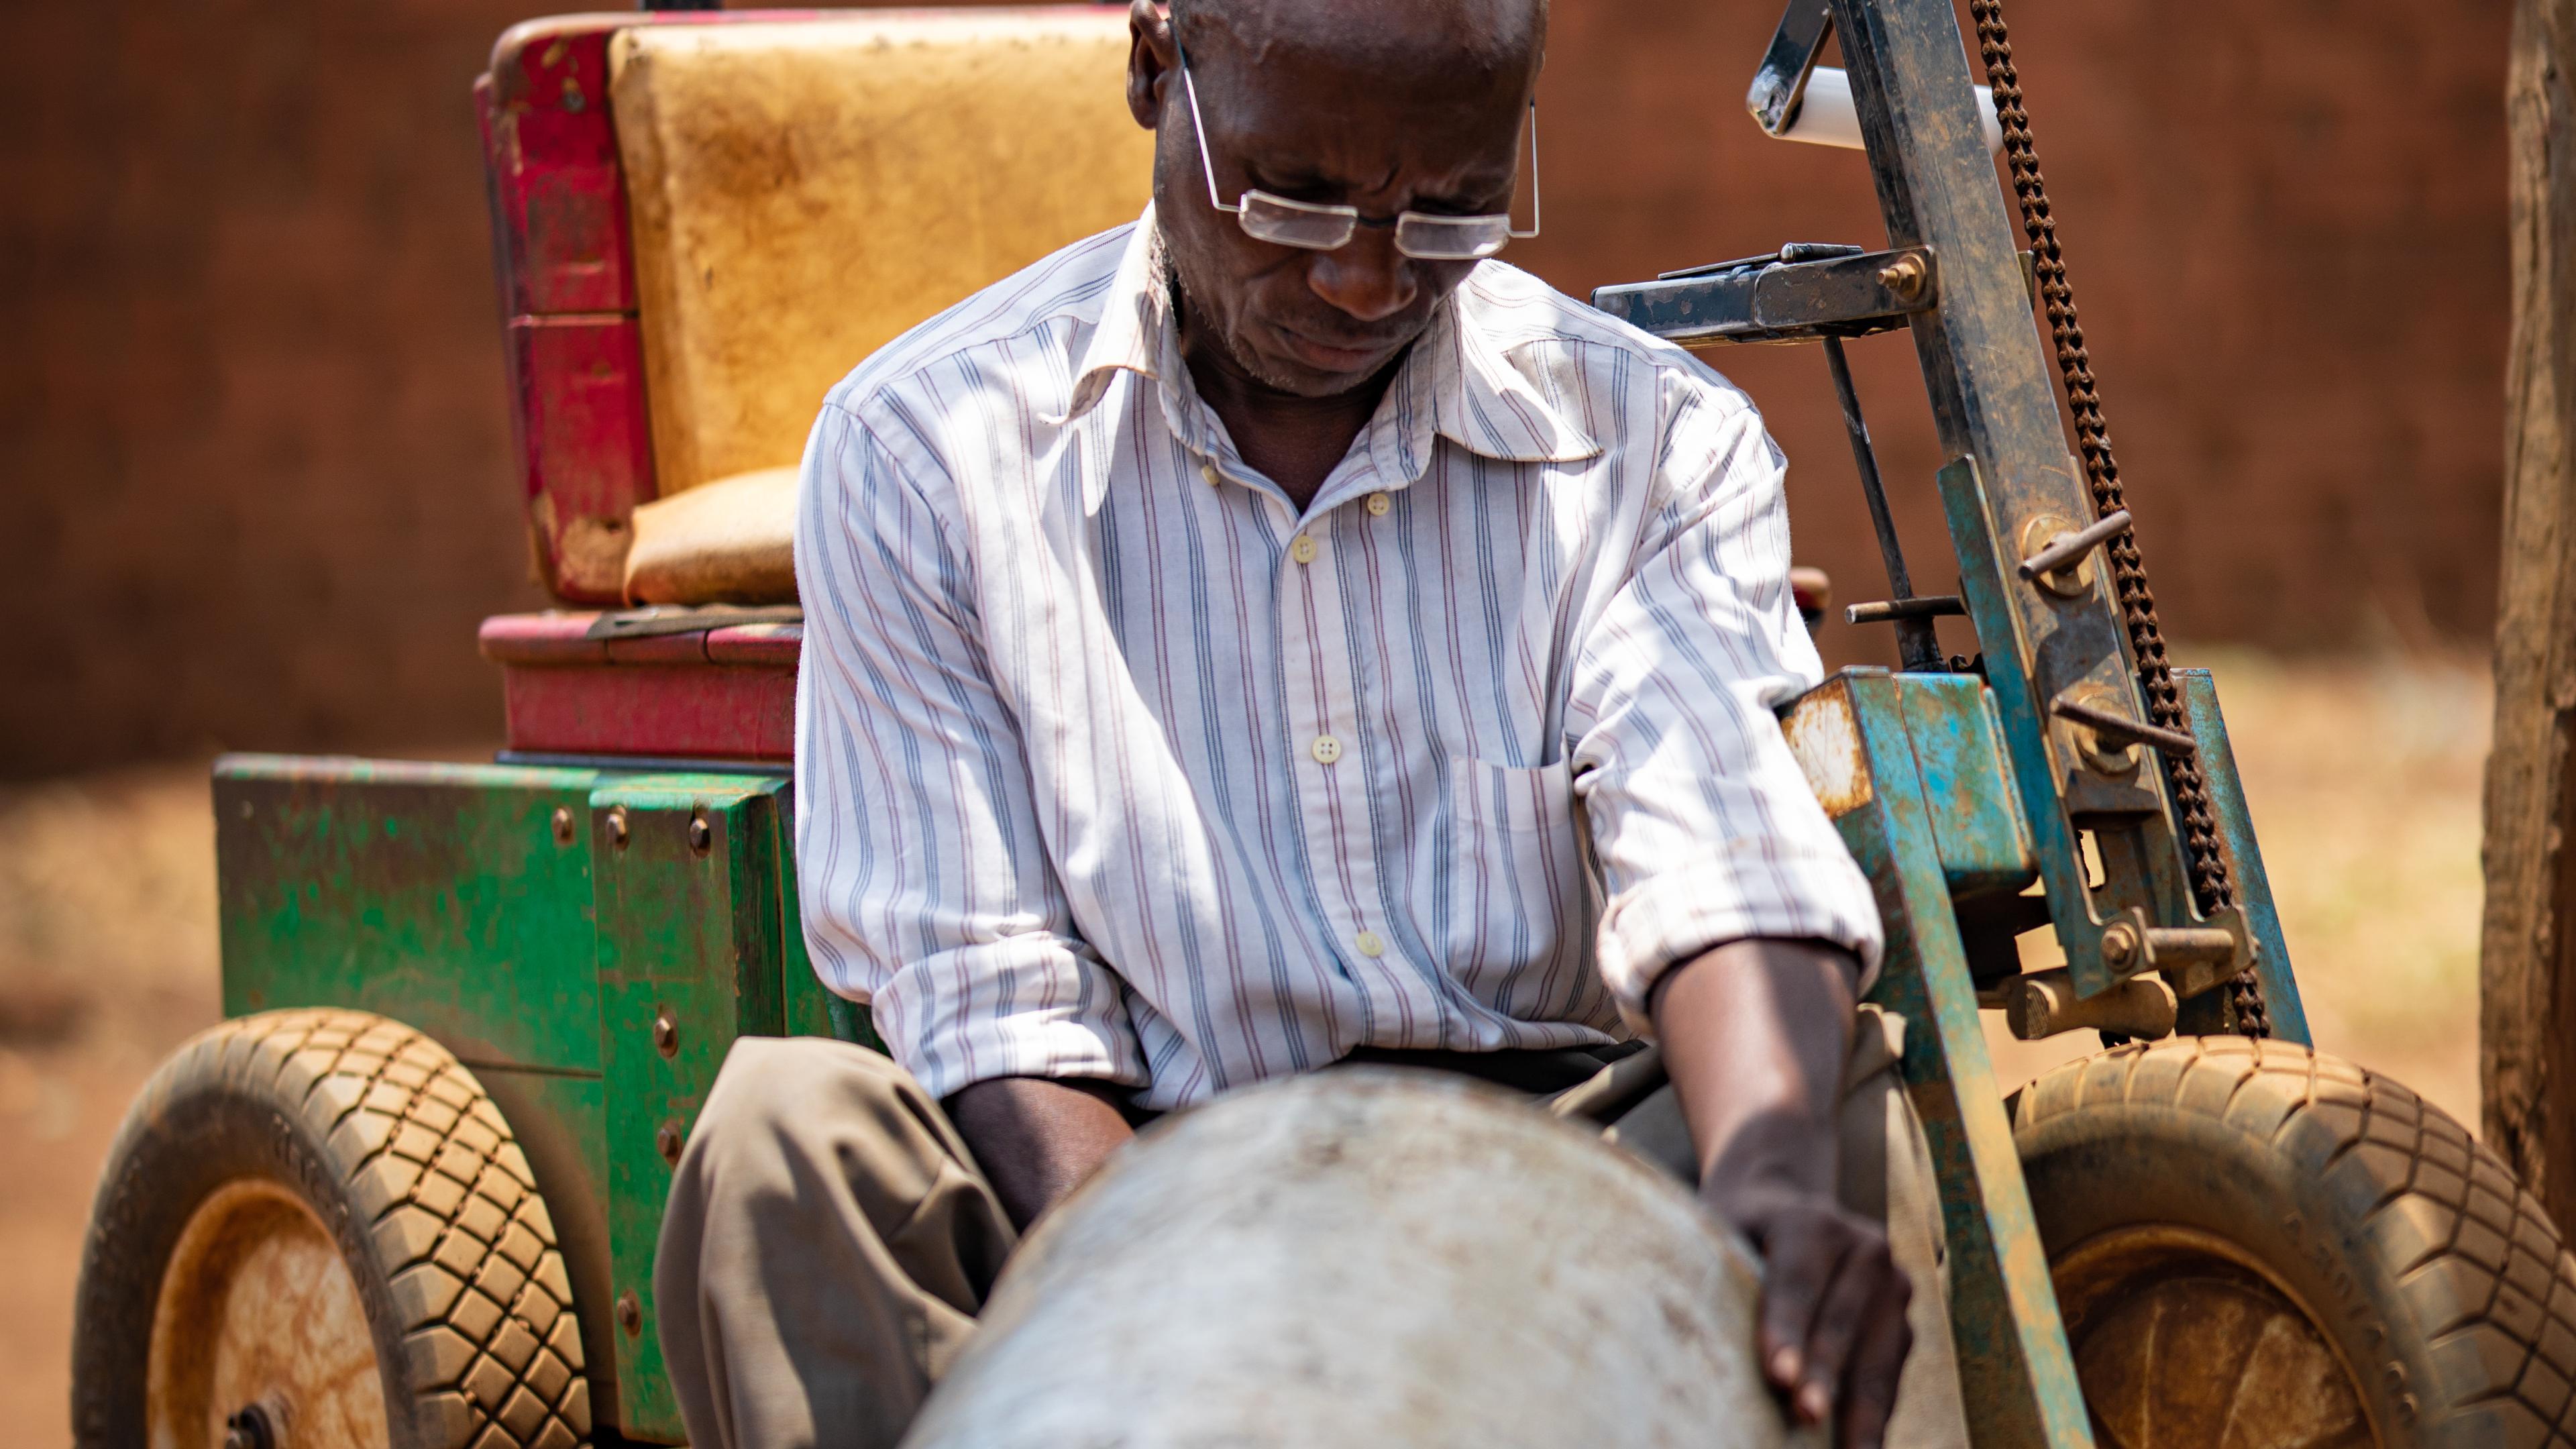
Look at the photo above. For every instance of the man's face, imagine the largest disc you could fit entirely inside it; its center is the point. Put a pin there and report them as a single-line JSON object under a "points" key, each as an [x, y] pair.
{"points": [[1380, 134]]}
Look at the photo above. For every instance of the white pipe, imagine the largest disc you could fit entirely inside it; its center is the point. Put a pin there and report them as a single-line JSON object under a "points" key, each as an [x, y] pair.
{"points": [[1826, 117]]}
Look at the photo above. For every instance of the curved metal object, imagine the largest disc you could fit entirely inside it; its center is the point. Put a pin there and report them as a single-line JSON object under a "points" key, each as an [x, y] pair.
{"points": [[1321, 1261]]}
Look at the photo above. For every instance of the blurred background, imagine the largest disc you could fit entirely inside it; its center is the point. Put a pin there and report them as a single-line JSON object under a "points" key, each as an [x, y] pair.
{"points": [[254, 491]]}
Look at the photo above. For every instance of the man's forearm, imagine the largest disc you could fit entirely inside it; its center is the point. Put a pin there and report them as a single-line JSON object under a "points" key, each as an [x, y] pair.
{"points": [[1038, 1139], [1755, 1035]]}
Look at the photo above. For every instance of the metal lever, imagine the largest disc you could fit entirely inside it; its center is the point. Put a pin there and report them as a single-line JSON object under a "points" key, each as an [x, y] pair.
{"points": [[2120, 727], [1921, 606], [2064, 550]]}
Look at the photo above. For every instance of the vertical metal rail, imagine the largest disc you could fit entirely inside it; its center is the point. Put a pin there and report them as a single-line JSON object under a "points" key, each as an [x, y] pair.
{"points": [[1916, 644]]}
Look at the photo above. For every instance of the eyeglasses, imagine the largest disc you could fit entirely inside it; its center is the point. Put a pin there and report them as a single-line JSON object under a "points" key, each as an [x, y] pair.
{"points": [[1423, 235]]}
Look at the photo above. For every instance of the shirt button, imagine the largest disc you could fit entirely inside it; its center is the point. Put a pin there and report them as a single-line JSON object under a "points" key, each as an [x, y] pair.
{"points": [[1303, 549], [1378, 504], [1369, 944], [1326, 749], [1208, 471]]}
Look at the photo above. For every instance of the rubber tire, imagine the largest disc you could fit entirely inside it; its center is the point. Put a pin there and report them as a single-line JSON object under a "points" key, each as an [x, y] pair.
{"points": [[395, 1147], [2434, 1273]]}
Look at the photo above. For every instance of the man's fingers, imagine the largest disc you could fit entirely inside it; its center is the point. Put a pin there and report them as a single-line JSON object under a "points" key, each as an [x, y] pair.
{"points": [[1800, 1255], [1869, 1389], [1843, 1313]]}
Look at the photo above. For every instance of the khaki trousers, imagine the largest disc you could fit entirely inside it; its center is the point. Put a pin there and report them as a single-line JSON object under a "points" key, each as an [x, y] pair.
{"points": [[830, 1238]]}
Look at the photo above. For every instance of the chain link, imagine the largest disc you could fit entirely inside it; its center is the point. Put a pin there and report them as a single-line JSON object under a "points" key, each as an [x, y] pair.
{"points": [[2211, 882]]}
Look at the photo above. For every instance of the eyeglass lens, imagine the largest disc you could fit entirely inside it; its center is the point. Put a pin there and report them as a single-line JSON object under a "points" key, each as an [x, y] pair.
{"points": [[1417, 234]]}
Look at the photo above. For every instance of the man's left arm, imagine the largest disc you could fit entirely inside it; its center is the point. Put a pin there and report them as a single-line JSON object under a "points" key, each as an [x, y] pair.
{"points": [[1756, 1034], [1737, 928]]}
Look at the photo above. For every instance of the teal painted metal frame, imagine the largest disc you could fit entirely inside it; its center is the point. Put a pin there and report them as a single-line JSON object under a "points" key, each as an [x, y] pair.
{"points": [[1925, 796]]}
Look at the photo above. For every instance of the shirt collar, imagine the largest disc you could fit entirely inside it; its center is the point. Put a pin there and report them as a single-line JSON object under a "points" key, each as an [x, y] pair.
{"points": [[1136, 330], [1459, 367]]}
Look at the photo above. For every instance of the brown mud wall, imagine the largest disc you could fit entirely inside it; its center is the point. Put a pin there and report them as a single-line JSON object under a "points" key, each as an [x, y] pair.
{"points": [[253, 484]]}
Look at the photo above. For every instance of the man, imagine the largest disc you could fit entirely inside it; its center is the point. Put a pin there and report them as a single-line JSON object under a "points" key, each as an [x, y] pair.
{"points": [[1265, 636]]}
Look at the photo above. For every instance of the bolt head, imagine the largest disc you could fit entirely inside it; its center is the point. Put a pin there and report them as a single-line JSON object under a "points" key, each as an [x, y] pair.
{"points": [[702, 836], [666, 1033], [630, 1314], [2119, 943], [617, 827], [563, 825], [668, 1140], [252, 1426]]}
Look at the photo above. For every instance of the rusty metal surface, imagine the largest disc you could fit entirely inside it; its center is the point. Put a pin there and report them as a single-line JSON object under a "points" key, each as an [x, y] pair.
{"points": [[2184, 1342], [2041, 1004], [258, 1313], [1825, 738]]}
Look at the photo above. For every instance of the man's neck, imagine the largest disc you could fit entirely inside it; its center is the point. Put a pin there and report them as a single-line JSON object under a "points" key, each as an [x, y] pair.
{"points": [[1292, 440]]}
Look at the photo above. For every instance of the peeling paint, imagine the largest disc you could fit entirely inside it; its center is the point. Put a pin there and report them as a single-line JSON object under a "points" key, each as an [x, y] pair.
{"points": [[1826, 740]]}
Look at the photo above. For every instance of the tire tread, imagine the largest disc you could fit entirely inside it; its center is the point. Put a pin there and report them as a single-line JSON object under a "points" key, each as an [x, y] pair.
{"points": [[489, 1345], [2488, 1276]]}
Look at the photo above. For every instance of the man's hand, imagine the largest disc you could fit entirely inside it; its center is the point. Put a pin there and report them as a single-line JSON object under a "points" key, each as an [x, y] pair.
{"points": [[1755, 1035], [1038, 1139]]}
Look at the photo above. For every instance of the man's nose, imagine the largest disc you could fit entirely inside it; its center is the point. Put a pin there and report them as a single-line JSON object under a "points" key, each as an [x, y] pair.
{"points": [[1365, 277]]}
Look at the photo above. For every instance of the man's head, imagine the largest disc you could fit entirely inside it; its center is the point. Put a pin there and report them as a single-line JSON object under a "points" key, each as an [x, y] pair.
{"points": [[1385, 105]]}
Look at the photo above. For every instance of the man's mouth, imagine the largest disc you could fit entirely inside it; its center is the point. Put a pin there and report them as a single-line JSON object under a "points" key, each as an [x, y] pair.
{"points": [[1337, 354]]}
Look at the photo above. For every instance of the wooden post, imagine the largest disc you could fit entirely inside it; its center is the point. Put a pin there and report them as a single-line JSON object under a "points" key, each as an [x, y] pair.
{"points": [[2527, 973]]}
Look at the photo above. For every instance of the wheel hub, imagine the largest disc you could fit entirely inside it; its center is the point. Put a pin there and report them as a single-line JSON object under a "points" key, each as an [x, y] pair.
{"points": [[259, 1338], [2182, 1342]]}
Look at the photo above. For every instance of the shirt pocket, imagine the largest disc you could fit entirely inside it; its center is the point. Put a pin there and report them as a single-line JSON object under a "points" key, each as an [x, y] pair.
{"points": [[1505, 899]]}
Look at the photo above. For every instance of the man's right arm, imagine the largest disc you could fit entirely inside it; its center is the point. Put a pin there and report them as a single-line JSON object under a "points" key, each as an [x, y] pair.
{"points": [[1037, 1138], [920, 859]]}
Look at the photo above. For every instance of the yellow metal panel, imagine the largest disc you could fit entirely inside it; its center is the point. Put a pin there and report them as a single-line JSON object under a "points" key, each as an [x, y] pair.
{"points": [[803, 191]]}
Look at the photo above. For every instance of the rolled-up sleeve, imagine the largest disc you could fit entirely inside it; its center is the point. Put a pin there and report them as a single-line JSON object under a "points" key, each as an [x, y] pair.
{"points": [[1702, 823], [927, 893]]}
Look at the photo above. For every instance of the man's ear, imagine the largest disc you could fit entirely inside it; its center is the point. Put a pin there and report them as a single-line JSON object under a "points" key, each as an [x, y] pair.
{"points": [[1149, 60]]}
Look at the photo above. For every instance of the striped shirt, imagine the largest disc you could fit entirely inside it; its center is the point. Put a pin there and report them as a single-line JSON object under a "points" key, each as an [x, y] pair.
{"points": [[1112, 762]]}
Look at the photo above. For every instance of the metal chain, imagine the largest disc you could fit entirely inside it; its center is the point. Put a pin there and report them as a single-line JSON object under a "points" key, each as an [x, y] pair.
{"points": [[2211, 883]]}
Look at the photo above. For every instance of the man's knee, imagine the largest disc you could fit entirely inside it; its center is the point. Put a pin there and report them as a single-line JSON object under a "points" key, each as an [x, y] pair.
{"points": [[773, 1091], [786, 1110]]}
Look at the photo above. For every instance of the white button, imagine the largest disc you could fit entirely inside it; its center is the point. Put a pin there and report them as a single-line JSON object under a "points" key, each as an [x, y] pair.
{"points": [[1369, 944], [1303, 550], [1326, 749], [1208, 471], [1378, 504]]}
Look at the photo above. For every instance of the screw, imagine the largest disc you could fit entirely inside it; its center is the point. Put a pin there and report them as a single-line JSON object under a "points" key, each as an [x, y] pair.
{"points": [[701, 834], [666, 1032], [563, 825], [2119, 943], [256, 1425], [667, 1140], [617, 827], [1904, 276], [630, 1314]]}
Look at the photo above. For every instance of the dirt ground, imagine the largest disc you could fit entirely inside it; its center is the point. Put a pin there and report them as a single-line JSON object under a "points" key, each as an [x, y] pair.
{"points": [[2363, 775]]}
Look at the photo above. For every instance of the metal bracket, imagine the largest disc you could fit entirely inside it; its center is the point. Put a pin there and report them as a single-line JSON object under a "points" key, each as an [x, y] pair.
{"points": [[1782, 80], [1769, 300]]}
